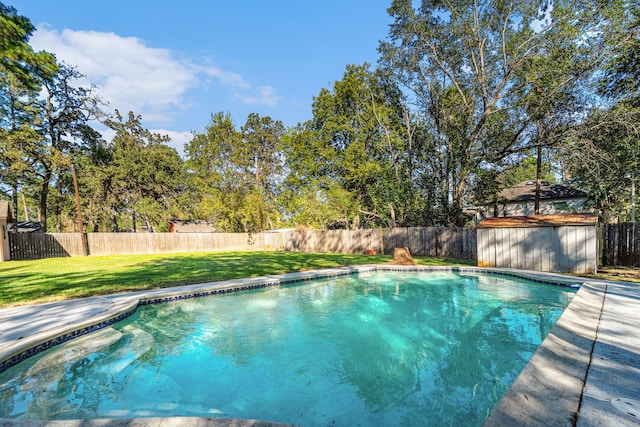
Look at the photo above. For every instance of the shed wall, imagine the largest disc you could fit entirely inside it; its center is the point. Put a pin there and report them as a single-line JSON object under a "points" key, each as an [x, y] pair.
{"points": [[560, 249], [4, 244]]}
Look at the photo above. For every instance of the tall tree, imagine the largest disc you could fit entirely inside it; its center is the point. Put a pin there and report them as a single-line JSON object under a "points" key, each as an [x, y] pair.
{"points": [[213, 175], [622, 71], [19, 142], [474, 68], [603, 155], [261, 157], [17, 58], [65, 109], [20, 67], [145, 174], [235, 173], [356, 141], [96, 186]]}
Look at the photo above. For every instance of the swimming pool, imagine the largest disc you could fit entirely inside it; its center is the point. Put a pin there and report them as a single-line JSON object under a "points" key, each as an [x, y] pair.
{"points": [[377, 348]]}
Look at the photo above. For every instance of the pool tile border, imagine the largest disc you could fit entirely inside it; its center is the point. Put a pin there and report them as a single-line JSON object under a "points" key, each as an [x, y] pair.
{"points": [[61, 339], [234, 286]]}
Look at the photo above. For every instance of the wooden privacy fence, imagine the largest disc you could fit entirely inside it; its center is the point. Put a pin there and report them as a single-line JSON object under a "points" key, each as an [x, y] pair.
{"points": [[44, 245], [442, 242], [459, 243], [621, 244], [49, 245]]}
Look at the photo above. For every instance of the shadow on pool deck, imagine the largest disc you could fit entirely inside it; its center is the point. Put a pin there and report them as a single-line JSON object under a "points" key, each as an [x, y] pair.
{"points": [[589, 359], [585, 373]]}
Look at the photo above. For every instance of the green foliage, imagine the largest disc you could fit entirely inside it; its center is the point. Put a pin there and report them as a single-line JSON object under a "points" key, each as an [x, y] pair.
{"points": [[145, 174], [20, 69], [603, 157], [64, 110], [525, 170], [489, 77], [95, 176], [17, 58], [464, 93], [355, 144], [603, 153], [622, 70], [234, 175]]}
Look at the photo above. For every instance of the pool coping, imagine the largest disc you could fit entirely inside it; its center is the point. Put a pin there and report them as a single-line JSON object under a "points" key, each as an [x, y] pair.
{"points": [[563, 359]]}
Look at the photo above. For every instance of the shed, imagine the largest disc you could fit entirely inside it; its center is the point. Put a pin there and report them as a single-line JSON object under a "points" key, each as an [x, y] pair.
{"points": [[5, 219], [553, 243]]}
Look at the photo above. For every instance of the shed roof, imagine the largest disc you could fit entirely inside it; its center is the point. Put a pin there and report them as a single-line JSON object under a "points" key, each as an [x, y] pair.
{"points": [[5, 211], [527, 191], [539, 221]]}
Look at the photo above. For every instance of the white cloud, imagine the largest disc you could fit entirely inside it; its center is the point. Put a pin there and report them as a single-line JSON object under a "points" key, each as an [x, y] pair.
{"points": [[132, 76], [225, 77], [129, 75], [265, 96]]}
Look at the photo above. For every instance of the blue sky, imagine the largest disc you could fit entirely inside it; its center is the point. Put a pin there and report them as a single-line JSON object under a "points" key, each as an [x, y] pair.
{"points": [[175, 63]]}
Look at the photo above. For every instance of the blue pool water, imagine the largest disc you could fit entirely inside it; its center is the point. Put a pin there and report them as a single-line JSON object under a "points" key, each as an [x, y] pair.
{"points": [[373, 349]]}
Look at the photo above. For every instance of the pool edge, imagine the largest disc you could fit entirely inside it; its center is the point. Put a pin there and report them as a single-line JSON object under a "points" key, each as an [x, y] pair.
{"points": [[126, 304], [520, 405]]}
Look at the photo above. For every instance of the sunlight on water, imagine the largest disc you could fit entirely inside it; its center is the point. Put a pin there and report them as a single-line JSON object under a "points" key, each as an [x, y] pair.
{"points": [[375, 349]]}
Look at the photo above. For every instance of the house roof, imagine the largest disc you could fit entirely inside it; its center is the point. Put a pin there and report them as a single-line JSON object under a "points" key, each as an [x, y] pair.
{"points": [[28, 227], [539, 221], [192, 226], [5, 211], [527, 191]]}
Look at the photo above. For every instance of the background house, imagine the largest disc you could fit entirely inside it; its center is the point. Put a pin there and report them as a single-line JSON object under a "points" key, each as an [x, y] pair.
{"points": [[519, 200], [27, 227], [192, 226]]}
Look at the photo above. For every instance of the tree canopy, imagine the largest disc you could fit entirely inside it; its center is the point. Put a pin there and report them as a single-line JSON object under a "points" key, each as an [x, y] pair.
{"points": [[467, 98]]}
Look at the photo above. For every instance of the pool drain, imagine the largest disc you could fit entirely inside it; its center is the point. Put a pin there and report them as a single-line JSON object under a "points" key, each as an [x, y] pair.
{"points": [[629, 407]]}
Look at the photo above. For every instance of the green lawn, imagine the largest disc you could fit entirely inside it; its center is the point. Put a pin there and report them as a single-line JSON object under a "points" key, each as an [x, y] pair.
{"points": [[55, 279]]}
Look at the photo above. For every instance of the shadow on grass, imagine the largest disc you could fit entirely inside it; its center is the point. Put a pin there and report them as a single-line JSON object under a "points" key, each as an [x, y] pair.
{"points": [[68, 278]]}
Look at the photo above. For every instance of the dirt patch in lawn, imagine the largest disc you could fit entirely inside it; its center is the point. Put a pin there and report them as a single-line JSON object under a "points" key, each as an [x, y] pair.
{"points": [[622, 273]]}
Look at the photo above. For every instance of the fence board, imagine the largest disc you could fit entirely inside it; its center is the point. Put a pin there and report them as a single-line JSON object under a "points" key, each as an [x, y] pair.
{"points": [[621, 244]]}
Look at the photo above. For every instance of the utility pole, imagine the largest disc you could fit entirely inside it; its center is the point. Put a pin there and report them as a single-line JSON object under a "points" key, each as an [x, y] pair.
{"points": [[80, 222], [536, 207], [633, 196], [633, 200]]}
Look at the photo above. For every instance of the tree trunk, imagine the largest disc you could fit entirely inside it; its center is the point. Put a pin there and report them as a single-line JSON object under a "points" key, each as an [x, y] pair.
{"points": [[77, 194], [58, 201], [149, 226], [24, 206], [44, 194], [538, 181], [15, 207], [392, 212], [538, 170]]}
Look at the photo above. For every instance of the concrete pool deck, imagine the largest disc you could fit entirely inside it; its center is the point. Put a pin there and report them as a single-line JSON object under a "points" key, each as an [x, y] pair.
{"points": [[585, 373]]}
